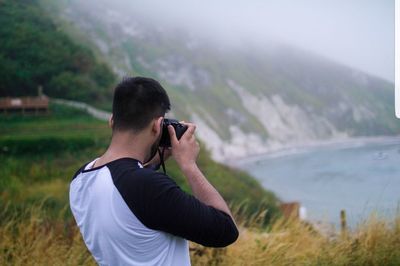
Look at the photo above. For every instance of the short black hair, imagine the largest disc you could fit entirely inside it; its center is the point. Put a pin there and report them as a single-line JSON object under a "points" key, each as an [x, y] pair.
{"points": [[138, 100]]}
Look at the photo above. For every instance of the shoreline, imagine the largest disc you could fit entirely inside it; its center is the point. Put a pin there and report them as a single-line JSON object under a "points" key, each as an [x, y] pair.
{"points": [[326, 226], [292, 149]]}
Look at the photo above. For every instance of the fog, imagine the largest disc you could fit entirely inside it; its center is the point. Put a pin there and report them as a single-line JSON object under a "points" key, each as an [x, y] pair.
{"points": [[357, 33]]}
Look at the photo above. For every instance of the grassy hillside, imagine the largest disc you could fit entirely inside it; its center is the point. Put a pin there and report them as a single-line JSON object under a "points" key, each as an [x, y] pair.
{"points": [[34, 52], [40, 155]]}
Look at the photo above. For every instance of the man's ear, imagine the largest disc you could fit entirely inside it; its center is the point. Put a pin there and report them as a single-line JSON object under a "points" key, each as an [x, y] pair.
{"points": [[111, 121], [157, 125]]}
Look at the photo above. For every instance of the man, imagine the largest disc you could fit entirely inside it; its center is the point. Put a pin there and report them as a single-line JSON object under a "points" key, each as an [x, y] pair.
{"points": [[132, 215]]}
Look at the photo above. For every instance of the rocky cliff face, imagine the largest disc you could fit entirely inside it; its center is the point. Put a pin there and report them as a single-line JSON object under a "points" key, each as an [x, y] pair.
{"points": [[244, 100]]}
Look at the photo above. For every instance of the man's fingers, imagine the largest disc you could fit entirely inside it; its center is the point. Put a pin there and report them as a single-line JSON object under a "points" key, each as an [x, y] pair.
{"points": [[190, 131], [172, 135], [188, 135]]}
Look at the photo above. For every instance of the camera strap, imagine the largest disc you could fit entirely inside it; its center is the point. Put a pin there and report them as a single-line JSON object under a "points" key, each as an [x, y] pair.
{"points": [[161, 154]]}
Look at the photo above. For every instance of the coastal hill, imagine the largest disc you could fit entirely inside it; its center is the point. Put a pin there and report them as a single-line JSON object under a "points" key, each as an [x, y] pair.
{"points": [[245, 98]]}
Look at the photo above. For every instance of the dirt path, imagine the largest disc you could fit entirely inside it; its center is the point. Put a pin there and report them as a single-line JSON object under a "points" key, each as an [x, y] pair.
{"points": [[96, 113]]}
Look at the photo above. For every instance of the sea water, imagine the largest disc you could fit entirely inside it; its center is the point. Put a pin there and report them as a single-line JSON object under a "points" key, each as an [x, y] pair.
{"points": [[361, 178]]}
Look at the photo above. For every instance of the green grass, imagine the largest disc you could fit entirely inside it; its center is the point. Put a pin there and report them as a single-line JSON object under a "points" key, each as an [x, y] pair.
{"points": [[40, 154]]}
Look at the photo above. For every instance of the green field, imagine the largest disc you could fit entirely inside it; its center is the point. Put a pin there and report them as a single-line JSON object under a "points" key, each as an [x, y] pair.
{"points": [[40, 154]]}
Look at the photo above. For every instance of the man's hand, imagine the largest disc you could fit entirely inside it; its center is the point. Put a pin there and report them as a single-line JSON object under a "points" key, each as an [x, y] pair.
{"points": [[185, 152], [186, 149]]}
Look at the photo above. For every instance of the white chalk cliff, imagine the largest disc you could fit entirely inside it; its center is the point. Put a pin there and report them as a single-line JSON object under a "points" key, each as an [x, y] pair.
{"points": [[244, 101]]}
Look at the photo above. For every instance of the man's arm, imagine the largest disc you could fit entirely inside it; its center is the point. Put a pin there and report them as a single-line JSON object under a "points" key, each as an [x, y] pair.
{"points": [[185, 152], [160, 204]]}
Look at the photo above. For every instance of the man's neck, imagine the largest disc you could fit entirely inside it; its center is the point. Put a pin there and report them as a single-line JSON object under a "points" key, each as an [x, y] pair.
{"points": [[124, 145]]}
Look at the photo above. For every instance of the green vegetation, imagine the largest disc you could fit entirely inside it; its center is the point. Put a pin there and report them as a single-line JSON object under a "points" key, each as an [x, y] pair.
{"points": [[34, 52], [41, 153]]}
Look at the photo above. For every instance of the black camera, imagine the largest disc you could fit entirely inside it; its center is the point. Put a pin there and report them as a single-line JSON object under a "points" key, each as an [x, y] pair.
{"points": [[180, 129]]}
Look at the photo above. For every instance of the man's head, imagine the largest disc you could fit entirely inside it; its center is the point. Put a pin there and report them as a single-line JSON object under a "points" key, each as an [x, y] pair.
{"points": [[139, 106], [137, 101]]}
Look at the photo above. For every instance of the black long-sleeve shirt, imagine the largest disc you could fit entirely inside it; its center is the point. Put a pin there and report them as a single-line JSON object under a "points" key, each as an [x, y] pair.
{"points": [[152, 198]]}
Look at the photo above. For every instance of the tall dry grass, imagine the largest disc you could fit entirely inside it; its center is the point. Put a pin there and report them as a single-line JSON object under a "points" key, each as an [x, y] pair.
{"points": [[292, 242], [29, 238]]}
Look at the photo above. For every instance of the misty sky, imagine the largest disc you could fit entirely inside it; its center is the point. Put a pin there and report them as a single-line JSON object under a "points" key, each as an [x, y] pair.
{"points": [[358, 33]]}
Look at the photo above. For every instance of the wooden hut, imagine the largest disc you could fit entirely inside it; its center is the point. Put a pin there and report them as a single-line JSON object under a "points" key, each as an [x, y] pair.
{"points": [[24, 105]]}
